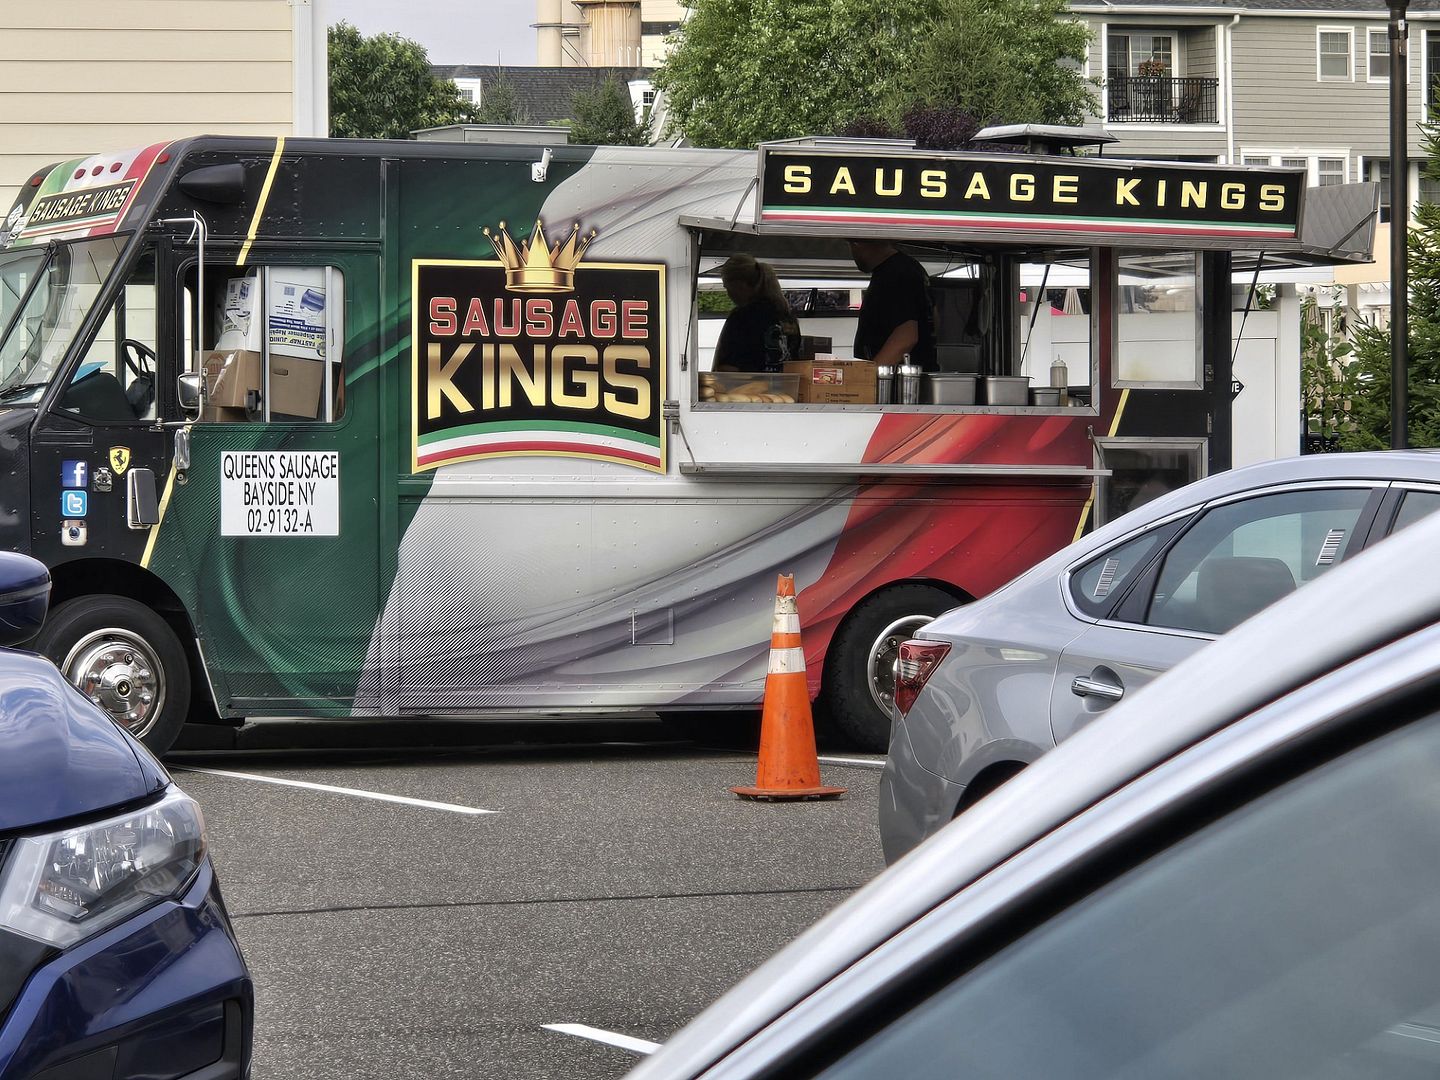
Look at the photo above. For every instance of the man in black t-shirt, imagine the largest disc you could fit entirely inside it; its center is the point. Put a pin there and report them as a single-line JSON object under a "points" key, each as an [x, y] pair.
{"points": [[896, 316]]}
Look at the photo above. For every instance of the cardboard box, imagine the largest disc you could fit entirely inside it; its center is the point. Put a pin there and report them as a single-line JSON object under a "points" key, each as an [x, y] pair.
{"points": [[295, 384], [229, 373], [220, 414], [835, 382]]}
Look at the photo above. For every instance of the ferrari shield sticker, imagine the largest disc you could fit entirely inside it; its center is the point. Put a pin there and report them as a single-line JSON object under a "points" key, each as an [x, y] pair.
{"points": [[120, 459]]}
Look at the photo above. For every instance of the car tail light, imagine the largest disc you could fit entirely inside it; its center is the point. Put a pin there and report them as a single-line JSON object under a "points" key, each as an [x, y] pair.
{"points": [[918, 661]]}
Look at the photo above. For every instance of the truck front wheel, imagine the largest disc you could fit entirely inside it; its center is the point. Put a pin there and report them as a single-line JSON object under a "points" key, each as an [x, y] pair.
{"points": [[859, 683], [126, 659]]}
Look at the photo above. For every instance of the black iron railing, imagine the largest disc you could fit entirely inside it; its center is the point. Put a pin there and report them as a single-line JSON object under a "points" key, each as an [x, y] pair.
{"points": [[1159, 99]]}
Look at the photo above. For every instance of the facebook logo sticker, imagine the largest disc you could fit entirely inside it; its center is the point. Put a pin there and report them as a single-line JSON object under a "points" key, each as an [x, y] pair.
{"points": [[72, 504], [74, 474]]}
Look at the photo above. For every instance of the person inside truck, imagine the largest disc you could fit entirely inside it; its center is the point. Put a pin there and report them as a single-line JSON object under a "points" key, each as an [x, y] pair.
{"points": [[761, 333], [897, 316]]}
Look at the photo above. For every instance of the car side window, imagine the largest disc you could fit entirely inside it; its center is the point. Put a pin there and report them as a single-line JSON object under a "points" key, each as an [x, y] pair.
{"points": [[1098, 585], [1416, 505], [1243, 556], [1293, 936], [117, 380]]}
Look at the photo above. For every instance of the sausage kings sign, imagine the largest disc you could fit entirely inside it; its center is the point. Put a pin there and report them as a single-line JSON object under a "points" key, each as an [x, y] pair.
{"points": [[1095, 197], [538, 353]]}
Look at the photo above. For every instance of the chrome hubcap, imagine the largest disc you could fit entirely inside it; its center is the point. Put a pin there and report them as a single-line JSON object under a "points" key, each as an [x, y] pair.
{"points": [[119, 671], [885, 652]]}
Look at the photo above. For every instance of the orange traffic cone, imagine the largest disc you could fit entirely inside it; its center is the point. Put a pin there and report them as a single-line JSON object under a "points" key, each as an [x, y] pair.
{"points": [[788, 767]]}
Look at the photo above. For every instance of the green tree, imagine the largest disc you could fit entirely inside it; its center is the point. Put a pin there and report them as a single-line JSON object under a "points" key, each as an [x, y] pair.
{"points": [[1002, 61], [1370, 399], [381, 87], [500, 103], [743, 71], [605, 116]]}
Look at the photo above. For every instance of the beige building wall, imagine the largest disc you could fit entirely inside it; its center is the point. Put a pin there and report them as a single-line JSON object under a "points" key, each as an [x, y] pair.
{"points": [[79, 77]]}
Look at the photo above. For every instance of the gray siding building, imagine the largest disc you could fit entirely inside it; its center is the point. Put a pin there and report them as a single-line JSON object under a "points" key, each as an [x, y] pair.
{"points": [[1284, 82]]}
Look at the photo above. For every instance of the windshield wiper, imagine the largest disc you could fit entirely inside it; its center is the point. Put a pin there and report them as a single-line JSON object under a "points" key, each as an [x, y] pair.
{"points": [[15, 390]]}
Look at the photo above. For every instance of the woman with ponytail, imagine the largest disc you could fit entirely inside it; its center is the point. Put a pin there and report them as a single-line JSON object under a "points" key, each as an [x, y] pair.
{"points": [[761, 333]]}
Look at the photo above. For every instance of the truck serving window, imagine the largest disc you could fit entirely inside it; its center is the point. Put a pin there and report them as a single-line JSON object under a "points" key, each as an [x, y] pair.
{"points": [[273, 343]]}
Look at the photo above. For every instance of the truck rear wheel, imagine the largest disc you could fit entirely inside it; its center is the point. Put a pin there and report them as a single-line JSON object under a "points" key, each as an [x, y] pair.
{"points": [[859, 685], [126, 659]]}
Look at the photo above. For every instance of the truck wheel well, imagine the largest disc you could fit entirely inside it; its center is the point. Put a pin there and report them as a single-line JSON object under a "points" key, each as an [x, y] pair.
{"points": [[986, 781], [960, 595], [91, 577]]}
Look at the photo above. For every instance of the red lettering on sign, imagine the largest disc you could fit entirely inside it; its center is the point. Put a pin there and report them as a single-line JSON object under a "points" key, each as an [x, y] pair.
{"points": [[635, 319], [442, 316]]}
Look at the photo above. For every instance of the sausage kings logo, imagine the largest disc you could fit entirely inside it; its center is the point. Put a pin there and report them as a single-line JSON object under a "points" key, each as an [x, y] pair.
{"points": [[537, 353]]}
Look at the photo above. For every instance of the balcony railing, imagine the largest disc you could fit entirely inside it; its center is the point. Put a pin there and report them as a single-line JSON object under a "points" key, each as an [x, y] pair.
{"points": [[1159, 99]]}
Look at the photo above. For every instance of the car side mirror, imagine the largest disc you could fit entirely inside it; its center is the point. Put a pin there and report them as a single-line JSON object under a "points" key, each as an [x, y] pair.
{"points": [[24, 597], [190, 388]]}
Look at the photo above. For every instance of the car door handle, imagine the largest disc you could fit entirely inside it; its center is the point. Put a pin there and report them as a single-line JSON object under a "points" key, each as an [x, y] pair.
{"points": [[1084, 687]]}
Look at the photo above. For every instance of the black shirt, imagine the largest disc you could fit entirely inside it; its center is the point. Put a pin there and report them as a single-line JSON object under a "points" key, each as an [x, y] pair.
{"points": [[899, 291], [756, 337]]}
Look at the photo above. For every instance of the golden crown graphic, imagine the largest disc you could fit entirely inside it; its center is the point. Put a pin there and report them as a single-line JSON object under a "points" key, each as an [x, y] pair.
{"points": [[536, 267]]}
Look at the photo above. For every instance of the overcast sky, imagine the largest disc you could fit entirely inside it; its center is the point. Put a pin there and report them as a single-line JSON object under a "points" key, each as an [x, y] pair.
{"points": [[452, 31]]}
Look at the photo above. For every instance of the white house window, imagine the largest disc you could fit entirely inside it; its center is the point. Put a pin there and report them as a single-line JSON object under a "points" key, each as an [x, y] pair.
{"points": [[1322, 167], [1335, 48], [1432, 69], [1379, 54], [1129, 51]]}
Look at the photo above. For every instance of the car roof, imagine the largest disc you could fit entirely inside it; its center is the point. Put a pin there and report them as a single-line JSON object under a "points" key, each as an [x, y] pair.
{"points": [[1377, 597]]}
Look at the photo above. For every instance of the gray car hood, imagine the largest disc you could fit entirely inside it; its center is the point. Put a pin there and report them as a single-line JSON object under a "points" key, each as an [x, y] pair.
{"points": [[1385, 593]]}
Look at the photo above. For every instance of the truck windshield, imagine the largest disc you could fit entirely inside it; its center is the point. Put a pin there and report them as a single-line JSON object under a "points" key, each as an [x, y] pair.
{"points": [[44, 297]]}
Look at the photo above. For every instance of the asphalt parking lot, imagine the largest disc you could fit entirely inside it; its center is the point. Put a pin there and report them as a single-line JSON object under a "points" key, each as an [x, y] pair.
{"points": [[465, 911]]}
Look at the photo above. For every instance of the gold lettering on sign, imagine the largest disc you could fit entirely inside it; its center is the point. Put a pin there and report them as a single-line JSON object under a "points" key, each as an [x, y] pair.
{"points": [[441, 380], [842, 182]]}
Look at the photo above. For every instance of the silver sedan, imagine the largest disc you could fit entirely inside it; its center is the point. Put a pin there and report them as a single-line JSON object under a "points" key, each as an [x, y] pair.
{"points": [[986, 689]]}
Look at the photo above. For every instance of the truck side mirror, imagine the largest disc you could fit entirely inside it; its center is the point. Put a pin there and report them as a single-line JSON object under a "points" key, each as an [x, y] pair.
{"points": [[142, 507], [190, 388]]}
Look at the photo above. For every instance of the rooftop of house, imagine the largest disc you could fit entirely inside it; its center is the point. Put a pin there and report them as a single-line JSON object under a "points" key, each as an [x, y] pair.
{"points": [[544, 93]]}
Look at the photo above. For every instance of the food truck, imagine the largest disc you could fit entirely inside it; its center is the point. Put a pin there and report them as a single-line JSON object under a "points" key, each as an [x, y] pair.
{"points": [[338, 428]]}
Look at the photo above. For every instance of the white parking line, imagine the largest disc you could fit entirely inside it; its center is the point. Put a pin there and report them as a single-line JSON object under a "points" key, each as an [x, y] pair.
{"points": [[378, 796], [862, 763], [609, 1038]]}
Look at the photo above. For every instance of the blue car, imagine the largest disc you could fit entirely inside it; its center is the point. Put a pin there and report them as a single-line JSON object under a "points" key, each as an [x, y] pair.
{"points": [[117, 958]]}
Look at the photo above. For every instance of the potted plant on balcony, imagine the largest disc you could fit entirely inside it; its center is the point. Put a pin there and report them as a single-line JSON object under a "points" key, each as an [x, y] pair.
{"points": [[1151, 69]]}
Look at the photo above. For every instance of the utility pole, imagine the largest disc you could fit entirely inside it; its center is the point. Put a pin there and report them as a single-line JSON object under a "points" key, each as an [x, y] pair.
{"points": [[1399, 226]]}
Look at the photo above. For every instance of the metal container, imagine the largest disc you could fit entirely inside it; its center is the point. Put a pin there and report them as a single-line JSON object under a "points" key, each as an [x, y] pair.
{"points": [[884, 384], [1048, 397], [907, 376], [950, 389], [1007, 389]]}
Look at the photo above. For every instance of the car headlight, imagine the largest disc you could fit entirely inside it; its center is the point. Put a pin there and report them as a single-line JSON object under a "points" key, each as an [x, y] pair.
{"points": [[63, 887]]}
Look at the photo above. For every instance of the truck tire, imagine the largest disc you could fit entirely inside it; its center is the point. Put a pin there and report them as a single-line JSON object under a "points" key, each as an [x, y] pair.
{"points": [[859, 682], [126, 659]]}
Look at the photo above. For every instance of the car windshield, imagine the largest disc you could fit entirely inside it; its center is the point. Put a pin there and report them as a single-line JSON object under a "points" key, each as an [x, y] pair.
{"points": [[44, 297]]}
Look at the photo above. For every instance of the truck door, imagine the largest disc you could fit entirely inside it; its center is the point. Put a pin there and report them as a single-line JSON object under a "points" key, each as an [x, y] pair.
{"points": [[100, 429], [278, 517]]}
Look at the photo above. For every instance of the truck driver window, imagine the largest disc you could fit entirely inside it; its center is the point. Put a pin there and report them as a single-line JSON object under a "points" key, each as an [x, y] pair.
{"points": [[273, 341], [116, 380]]}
